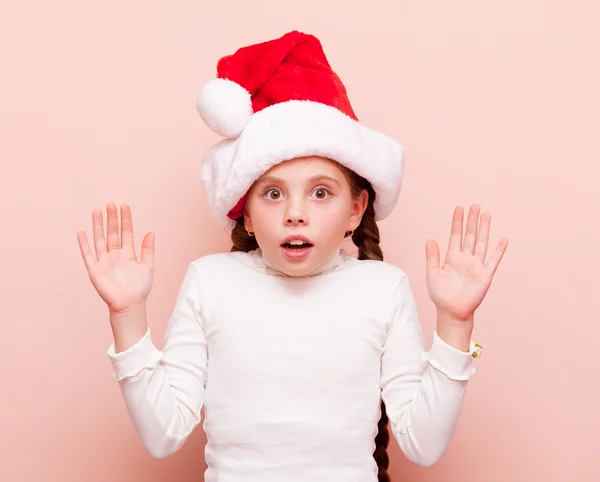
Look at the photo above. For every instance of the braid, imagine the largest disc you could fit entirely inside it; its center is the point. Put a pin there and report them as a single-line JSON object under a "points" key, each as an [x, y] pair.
{"points": [[240, 238], [366, 239], [366, 236]]}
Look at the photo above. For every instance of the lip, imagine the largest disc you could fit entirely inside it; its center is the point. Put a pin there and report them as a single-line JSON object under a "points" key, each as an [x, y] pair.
{"points": [[298, 237], [296, 253]]}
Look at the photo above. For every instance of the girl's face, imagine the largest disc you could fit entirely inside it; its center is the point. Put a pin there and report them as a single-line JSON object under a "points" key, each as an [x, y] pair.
{"points": [[299, 212]]}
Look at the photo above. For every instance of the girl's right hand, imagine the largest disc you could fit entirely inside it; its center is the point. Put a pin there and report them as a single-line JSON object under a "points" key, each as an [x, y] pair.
{"points": [[120, 279]]}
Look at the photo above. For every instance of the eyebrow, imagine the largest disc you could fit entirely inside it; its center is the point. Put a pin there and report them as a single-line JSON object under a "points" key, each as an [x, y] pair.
{"points": [[277, 180]]}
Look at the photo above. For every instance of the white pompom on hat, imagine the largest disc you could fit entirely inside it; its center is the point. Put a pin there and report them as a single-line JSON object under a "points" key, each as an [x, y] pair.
{"points": [[225, 106]]}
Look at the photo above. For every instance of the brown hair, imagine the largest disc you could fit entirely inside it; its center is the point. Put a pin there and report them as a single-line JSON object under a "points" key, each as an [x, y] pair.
{"points": [[366, 239]]}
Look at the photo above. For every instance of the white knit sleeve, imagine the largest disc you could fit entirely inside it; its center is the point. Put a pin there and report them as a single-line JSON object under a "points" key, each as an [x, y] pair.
{"points": [[423, 391], [163, 390]]}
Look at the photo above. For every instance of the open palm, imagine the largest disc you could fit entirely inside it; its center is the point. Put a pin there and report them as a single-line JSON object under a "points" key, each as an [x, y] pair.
{"points": [[119, 278], [460, 285]]}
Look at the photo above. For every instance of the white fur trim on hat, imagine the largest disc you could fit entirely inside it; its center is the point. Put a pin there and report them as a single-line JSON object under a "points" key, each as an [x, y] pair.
{"points": [[294, 129], [225, 106]]}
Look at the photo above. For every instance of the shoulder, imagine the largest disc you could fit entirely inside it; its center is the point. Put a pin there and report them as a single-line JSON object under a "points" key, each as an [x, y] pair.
{"points": [[379, 270], [378, 280], [221, 263]]}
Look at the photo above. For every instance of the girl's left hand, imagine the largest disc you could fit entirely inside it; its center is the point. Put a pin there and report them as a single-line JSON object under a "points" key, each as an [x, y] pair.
{"points": [[459, 286]]}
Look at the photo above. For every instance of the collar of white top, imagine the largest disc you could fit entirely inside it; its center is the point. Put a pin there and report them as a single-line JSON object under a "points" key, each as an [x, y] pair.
{"points": [[336, 261]]}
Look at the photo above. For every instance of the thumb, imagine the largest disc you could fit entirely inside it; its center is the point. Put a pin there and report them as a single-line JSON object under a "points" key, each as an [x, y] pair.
{"points": [[148, 250], [432, 256]]}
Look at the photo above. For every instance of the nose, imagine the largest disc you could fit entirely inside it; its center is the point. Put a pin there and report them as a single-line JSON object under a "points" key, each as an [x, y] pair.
{"points": [[294, 221], [296, 214]]}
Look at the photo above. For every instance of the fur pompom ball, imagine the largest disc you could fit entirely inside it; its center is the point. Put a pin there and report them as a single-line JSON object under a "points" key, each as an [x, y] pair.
{"points": [[225, 106]]}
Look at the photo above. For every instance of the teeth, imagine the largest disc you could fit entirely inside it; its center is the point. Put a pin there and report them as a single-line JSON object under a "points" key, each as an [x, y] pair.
{"points": [[296, 242]]}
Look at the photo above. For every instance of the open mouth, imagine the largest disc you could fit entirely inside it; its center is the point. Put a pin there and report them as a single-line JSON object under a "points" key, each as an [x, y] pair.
{"points": [[296, 245]]}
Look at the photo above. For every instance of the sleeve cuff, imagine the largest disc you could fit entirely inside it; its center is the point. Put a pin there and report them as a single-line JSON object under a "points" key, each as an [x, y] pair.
{"points": [[455, 364], [141, 356]]}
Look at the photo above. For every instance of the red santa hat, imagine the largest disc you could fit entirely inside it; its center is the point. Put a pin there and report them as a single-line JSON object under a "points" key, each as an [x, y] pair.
{"points": [[278, 100]]}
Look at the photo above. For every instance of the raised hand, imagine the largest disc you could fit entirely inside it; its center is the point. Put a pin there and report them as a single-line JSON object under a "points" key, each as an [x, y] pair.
{"points": [[459, 286], [120, 279]]}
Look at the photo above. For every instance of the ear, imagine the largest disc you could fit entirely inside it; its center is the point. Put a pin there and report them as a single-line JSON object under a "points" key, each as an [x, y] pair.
{"points": [[359, 206], [248, 224], [247, 221]]}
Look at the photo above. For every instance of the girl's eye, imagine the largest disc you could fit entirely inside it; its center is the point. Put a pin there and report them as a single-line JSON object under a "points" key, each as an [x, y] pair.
{"points": [[321, 193], [273, 194]]}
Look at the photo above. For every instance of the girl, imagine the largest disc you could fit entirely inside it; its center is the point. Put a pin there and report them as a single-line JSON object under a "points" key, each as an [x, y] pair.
{"points": [[299, 353]]}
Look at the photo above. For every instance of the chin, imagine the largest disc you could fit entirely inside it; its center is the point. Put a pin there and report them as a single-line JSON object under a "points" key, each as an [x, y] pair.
{"points": [[300, 266], [296, 268]]}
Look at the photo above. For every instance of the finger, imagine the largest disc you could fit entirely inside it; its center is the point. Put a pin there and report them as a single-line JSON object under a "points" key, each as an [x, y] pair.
{"points": [[494, 261], [432, 256], [471, 230], [112, 227], [483, 237], [456, 229], [148, 250], [98, 233], [126, 228], [86, 252]]}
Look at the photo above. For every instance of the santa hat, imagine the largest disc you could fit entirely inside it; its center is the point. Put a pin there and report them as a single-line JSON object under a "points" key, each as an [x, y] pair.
{"points": [[278, 100]]}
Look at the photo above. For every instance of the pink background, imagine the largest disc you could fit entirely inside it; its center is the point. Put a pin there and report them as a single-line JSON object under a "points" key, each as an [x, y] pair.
{"points": [[496, 104]]}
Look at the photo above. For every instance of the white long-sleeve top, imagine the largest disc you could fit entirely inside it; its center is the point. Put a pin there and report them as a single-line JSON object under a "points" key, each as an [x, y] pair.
{"points": [[291, 371]]}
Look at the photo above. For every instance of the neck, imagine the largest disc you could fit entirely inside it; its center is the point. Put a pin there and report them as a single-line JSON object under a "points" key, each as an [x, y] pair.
{"points": [[329, 264]]}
